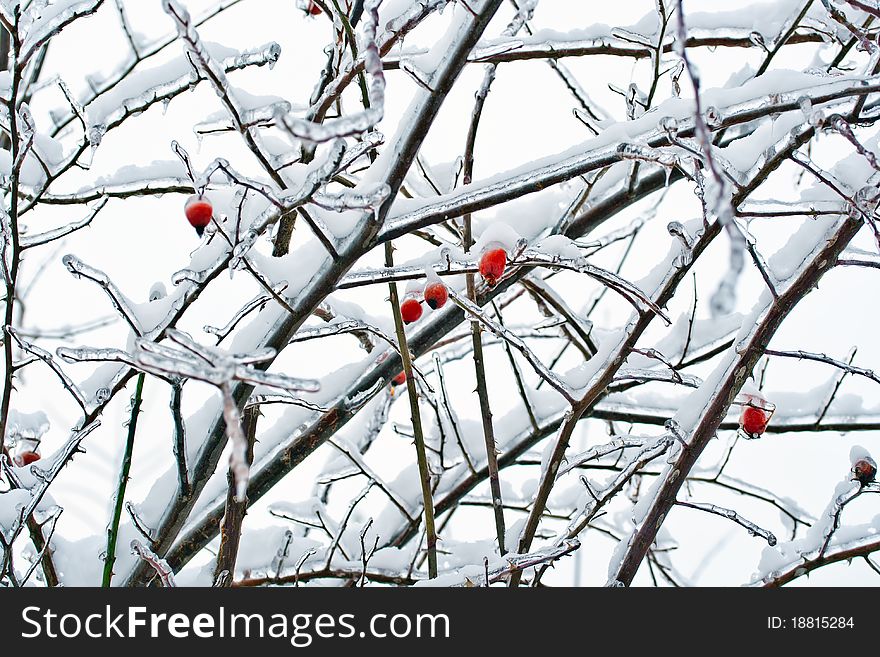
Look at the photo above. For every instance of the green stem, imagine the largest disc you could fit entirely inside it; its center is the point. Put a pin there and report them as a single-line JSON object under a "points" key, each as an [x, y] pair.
{"points": [[421, 454], [113, 529]]}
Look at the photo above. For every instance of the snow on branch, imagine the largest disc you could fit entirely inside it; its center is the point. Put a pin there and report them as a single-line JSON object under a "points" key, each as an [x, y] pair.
{"points": [[358, 123]]}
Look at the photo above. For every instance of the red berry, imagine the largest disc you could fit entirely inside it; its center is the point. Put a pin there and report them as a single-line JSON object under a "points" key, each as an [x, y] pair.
{"points": [[410, 310], [25, 458], [399, 380], [436, 295], [313, 9], [492, 265], [198, 210], [754, 420], [865, 470]]}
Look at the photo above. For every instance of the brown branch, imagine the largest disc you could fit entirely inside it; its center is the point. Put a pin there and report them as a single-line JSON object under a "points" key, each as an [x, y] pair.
{"points": [[230, 526]]}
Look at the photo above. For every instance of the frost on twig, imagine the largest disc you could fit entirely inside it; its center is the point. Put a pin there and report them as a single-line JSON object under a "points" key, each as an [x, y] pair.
{"points": [[160, 566], [358, 123]]}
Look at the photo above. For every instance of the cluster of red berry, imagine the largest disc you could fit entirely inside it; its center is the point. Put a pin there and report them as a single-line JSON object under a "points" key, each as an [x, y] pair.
{"points": [[492, 264], [435, 295]]}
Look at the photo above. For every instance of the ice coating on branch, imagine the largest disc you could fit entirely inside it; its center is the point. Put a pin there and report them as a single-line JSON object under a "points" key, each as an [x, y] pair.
{"points": [[145, 87], [11, 505], [354, 124], [826, 534], [44, 20]]}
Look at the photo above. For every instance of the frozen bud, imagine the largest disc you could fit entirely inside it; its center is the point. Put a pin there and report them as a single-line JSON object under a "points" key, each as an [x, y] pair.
{"points": [[806, 105], [669, 124], [713, 117], [865, 469]]}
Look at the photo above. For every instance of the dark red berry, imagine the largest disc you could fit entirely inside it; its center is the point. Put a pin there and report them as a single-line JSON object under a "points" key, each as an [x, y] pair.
{"points": [[313, 9], [754, 420], [492, 264], [865, 470], [198, 210], [410, 310], [436, 295], [399, 380], [25, 458]]}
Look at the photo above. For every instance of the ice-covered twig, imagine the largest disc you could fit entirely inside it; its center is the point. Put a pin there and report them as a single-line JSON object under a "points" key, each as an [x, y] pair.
{"points": [[357, 499], [505, 334], [730, 514], [268, 399], [46, 475], [597, 500], [145, 51], [238, 462], [840, 125], [838, 16], [257, 303], [633, 374], [395, 30], [849, 368], [568, 165], [79, 269], [36, 38], [367, 471], [236, 501], [833, 514], [213, 365], [30, 241], [310, 131], [615, 445], [807, 563], [449, 411], [46, 357], [216, 75], [159, 565], [517, 563]]}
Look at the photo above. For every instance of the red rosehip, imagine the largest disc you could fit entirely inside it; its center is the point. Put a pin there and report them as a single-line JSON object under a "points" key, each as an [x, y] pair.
{"points": [[492, 265], [399, 380], [754, 420], [25, 458], [198, 210], [436, 295], [410, 310], [865, 470], [313, 9]]}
